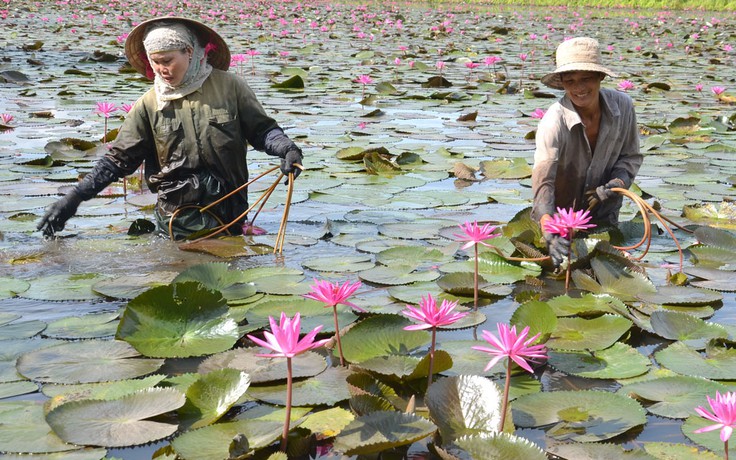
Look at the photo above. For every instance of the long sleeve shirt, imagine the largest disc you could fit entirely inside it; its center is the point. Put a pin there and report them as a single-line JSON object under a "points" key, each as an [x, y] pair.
{"points": [[565, 166]]}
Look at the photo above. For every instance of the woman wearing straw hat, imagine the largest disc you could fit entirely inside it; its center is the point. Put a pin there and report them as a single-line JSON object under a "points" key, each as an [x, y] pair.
{"points": [[191, 130], [586, 144]]}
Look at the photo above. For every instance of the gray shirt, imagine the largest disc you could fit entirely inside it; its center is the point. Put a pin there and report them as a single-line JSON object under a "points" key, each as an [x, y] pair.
{"points": [[564, 165]]}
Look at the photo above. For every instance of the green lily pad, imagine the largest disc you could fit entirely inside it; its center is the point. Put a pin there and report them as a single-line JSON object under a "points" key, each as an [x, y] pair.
{"points": [[10, 389], [680, 295], [620, 361], [64, 287], [327, 388], [313, 313], [6, 318], [515, 168], [10, 287], [673, 397], [613, 278], [378, 431], [213, 442], [494, 267], [341, 264], [218, 277], [91, 326], [406, 367], [381, 335], [719, 362], [178, 320], [130, 286], [21, 329], [463, 284], [85, 362], [576, 450], [580, 416], [88, 453], [211, 395], [417, 254], [464, 406], [694, 332], [538, 316], [119, 422], [104, 390], [673, 451], [498, 445], [466, 361], [588, 334], [328, 423], [25, 430], [282, 285], [393, 275], [710, 440], [565, 305], [263, 370]]}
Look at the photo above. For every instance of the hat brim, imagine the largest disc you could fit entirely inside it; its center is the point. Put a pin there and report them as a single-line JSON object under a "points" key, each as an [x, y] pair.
{"points": [[554, 79], [218, 56]]}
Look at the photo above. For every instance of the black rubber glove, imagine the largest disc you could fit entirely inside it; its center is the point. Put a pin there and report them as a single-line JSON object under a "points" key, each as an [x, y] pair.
{"points": [[58, 213], [603, 192], [558, 248], [287, 163]]}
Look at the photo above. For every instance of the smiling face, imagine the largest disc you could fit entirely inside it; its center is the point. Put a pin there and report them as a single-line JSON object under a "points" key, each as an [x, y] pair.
{"points": [[582, 87], [171, 65]]}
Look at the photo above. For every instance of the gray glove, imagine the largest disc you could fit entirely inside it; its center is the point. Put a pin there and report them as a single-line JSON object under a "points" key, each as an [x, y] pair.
{"points": [[58, 213], [603, 192], [557, 247], [287, 163]]}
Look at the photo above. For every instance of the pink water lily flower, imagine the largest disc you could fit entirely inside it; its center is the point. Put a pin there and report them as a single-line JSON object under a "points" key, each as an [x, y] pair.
{"points": [[105, 109], [474, 234], [724, 414], [284, 338], [538, 113], [718, 90], [626, 85], [566, 221], [364, 79], [429, 316], [6, 118], [516, 347]]}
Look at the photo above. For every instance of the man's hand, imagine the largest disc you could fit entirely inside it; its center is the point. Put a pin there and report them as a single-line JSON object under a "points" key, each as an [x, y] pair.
{"points": [[603, 192], [557, 247], [291, 158], [58, 213]]}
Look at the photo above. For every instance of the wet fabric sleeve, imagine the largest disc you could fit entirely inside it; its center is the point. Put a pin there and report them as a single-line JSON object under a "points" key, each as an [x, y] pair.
{"points": [[278, 144], [630, 158], [255, 123]]}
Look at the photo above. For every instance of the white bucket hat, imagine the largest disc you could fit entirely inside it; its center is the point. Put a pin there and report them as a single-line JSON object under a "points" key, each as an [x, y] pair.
{"points": [[576, 54]]}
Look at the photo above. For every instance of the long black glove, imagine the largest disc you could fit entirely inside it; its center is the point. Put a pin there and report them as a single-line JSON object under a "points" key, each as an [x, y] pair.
{"points": [[557, 247], [287, 163], [58, 213], [603, 192]]}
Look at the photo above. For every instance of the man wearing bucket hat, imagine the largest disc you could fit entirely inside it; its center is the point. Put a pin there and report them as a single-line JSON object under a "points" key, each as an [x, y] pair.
{"points": [[587, 143], [191, 130]]}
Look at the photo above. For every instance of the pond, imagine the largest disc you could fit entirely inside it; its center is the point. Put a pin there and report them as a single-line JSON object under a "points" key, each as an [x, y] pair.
{"points": [[446, 155]]}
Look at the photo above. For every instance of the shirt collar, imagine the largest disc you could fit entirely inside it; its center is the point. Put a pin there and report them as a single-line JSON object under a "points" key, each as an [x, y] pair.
{"points": [[608, 108]]}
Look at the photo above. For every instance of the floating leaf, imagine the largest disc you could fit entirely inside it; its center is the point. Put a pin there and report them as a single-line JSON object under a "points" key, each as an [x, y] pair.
{"points": [[261, 369], [397, 274], [91, 326], [673, 397], [328, 423], [342, 264], [613, 278], [86, 362], [680, 295], [672, 451], [381, 335], [565, 305], [213, 442], [116, 423], [130, 286], [406, 367], [709, 439], [105, 390], [10, 287], [24, 429], [378, 431], [516, 168], [10, 389], [211, 395], [178, 320], [693, 331], [620, 361], [601, 451], [327, 388], [498, 446], [588, 334], [218, 277], [64, 287], [538, 316], [464, 406], [580, 416], [21, 329], [719, 363]]}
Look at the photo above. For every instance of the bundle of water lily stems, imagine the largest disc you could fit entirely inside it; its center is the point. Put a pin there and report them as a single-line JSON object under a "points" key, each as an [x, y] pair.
{"points": [[280, 236]]}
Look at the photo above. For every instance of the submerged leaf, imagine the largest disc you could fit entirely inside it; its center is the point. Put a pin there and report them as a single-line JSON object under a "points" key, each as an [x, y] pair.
{"points": [[378, 431]]}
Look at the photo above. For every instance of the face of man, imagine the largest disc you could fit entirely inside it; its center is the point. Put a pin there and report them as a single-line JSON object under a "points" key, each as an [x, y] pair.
{"points": [[582, 87], [171, 65]]}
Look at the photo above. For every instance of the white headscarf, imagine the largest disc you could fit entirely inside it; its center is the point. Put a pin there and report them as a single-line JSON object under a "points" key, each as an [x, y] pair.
{"points": [[174, 36]]}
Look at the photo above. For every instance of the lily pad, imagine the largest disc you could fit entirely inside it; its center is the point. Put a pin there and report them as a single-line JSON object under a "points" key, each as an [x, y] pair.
{"points": [[565, 305], [178, 320], [341, 264], [378, 431], [580, 416], [21, 329], [393, 275], [213, 442], [263, 370], [91, 326], [381, 335], [328, 423], [719, 363], [619, 361], [85, 362], [464, 406], [710, 439], [588, 334], [10, 287], [613, 278], [211, 395], [693, 331], [132, 285], [591, 451], [327, 388], [64, 287], [673, 397], [498, 445], [104, 390], [25, 430], [10, 389], [218, 277], [673, 451], [116, 423], [406, 367], [680, 295]]}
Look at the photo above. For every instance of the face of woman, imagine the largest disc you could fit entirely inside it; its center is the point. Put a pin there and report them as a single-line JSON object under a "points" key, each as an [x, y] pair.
{"points": [[171, 65], [582, 87]]}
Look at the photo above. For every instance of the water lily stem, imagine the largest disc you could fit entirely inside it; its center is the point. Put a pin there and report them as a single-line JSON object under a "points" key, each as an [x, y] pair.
{"points": [[725, 447], [337, 336], [431, 357], [287, 420], [569, 264], [506, 386], [475, 280]]}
